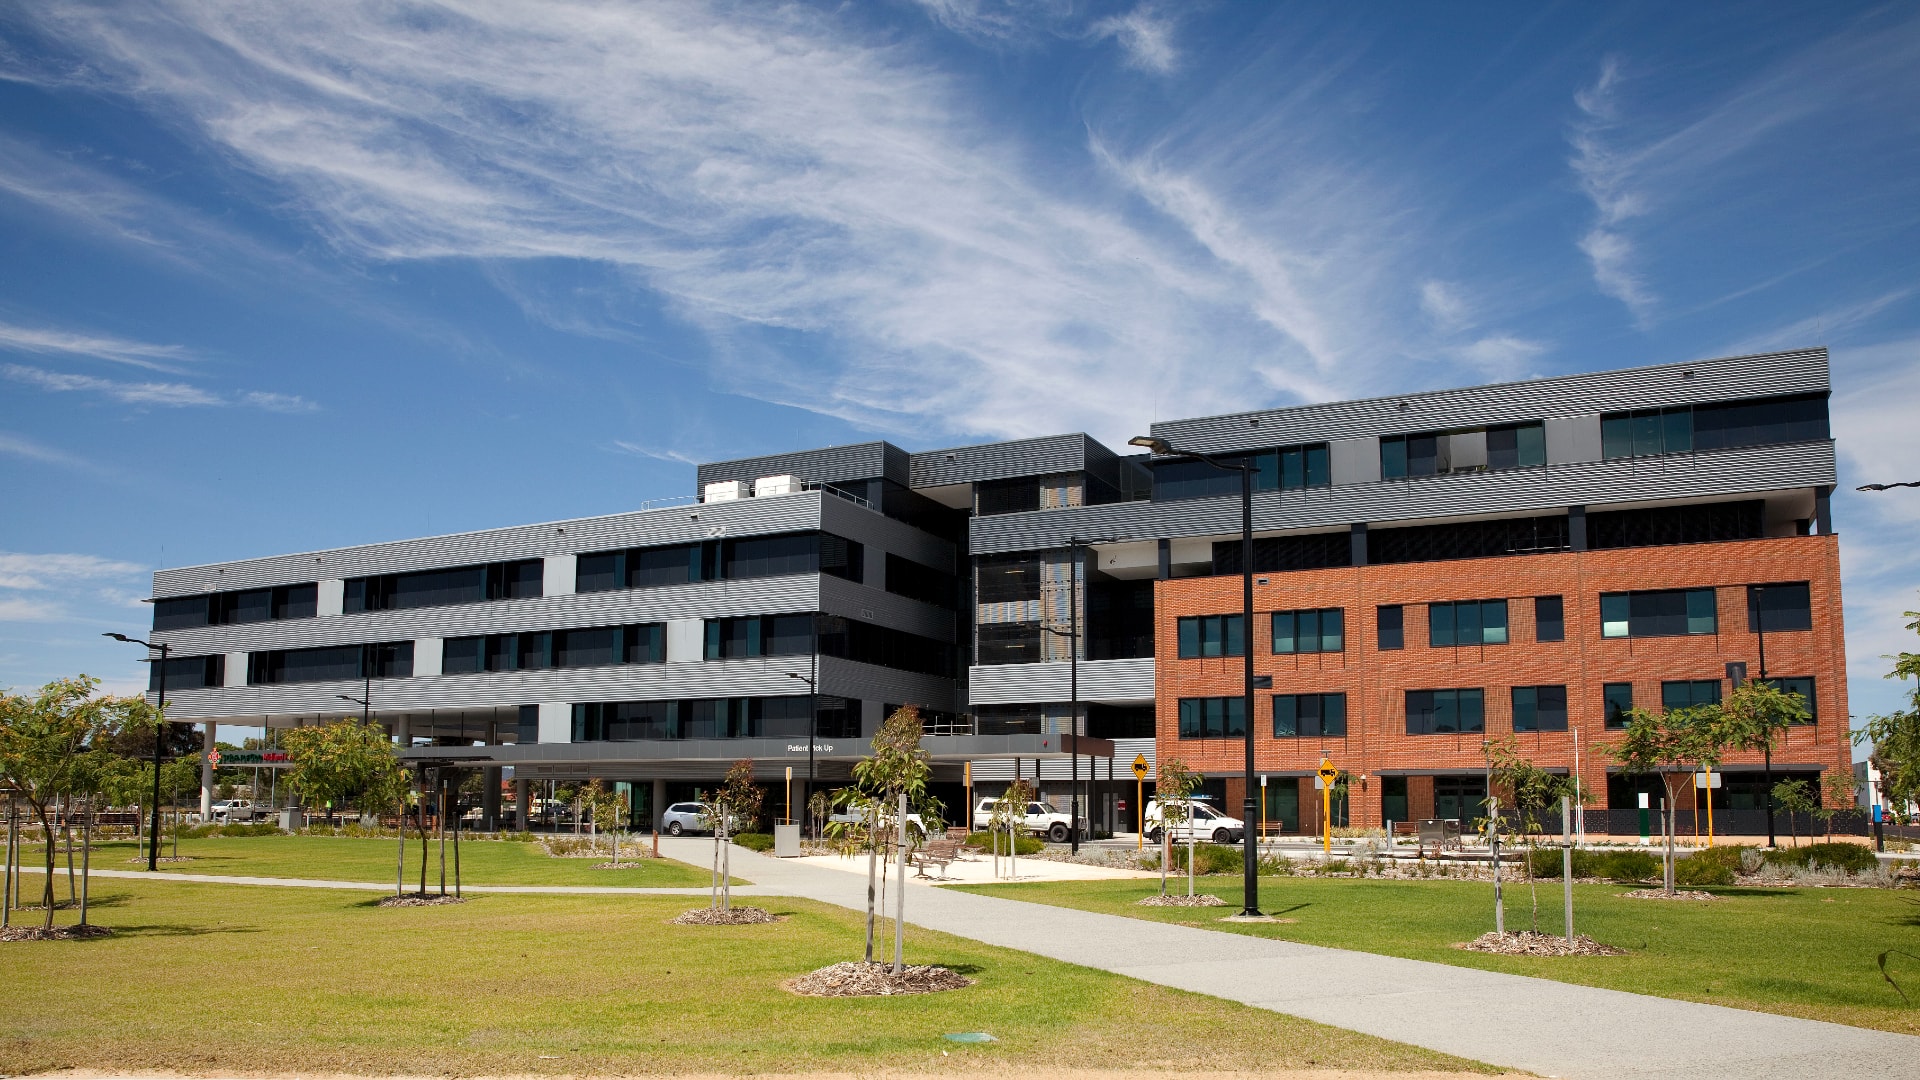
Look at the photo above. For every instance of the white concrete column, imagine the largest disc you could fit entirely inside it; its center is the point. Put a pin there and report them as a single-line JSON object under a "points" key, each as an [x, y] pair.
{"points": [[490, 797], [659, 802], [401, 733], [520, 804], [206, 772]]}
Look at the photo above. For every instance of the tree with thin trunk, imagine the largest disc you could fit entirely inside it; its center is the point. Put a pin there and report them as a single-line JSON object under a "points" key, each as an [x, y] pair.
{"points": [[1173, 787], [610, 814], [1530, 790], [1895, 736], [52, 746], [1009, 812], [1674, 745], [332, 762], [735, 804], [1795, 797], [899, 767]]}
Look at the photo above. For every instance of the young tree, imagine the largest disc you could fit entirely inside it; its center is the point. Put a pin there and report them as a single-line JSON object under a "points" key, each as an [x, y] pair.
{"points": [[1896, 735], [1172, 788], [1795, 797], [896, 777], [737, 801], [1009, 811], [611, 812], [1531, 791], [1673, 745], [52, 745], [1836, 794], [1755, 716]]}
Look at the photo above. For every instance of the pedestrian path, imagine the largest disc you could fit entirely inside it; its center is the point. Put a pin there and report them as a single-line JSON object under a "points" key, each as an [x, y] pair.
{"points": [[371, 886], [1538, 1025]]}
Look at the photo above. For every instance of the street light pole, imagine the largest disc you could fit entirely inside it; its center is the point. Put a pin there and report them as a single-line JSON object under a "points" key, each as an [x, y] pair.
{"points": [[1250, 859], [159, 746], [1760, 628]]}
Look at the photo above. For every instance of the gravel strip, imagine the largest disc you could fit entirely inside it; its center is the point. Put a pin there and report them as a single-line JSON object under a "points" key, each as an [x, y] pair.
{"points": [[851, 979], [416, 900], [740, 916], [1196, 900], [1678, 894], [1533, 943]]}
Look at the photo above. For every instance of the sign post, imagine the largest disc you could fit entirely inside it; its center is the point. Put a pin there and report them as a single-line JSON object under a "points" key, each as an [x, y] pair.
{"points": [[1140, 796], [1263, 809], [1324, 778], [789, 794], [966, 782], [1707, 781]]}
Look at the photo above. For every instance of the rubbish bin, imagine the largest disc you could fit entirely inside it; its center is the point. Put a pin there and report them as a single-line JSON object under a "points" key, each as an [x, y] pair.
{"points": [[786, 841]]}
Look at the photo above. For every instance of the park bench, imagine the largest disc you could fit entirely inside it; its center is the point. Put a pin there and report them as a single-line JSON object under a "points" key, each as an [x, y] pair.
{"points": [[938, 853]]}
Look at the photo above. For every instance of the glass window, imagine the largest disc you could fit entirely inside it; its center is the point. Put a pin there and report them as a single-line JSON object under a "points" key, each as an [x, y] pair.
{"points": [[188, 672], [1661, 613], [651, 567], [1549, 619], [1392, 627], [1213, 717], [1646, 432], [534, 651], [770, 556], [600, 646], [1760, 421], [1785, 606], [1800, 686], [1686, 693], [296, 601], [1393, 457], [1516, 446], [1423, 455], [252, 605], [179, 611], [463, 654], [336, 662], [502, 652], [1293, 469], [1311, 631], [1309, 715], [1616, 698], [1539, 708], [1319, 466], [1445, 712], [843, 558], [599, 572], [919, 582], [1467, 622], [1212, 635], [646, 644]]}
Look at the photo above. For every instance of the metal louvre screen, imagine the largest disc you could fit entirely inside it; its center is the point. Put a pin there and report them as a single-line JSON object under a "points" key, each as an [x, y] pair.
{"points": [[1657, 526], [1469, 540], [1279, 554]]}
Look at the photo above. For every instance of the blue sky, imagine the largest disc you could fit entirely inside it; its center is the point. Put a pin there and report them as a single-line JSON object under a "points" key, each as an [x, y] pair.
{"points": [[278, 278]]}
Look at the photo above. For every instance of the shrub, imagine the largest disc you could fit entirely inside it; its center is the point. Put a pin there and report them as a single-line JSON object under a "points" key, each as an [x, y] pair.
{"points": [[1623, 865], [1853, 858], [754, 841], [1545, 863], [1713, 866], [1024, 845], [1209, 859], [264, 828]]}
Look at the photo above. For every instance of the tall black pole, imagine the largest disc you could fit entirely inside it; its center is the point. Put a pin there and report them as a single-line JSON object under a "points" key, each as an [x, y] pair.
{"points": [[1760, 627], [813, 718], [1073, 684], [159, 746], [1249, 809]]}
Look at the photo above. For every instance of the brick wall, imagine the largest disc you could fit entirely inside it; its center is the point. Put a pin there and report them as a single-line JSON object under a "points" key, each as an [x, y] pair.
{"points": [[1376, 681]]}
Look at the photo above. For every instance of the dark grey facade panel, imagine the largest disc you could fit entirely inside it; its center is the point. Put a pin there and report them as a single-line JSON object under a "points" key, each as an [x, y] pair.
{"points": [[1002, 460], [675, 525], [868, 604], [694, 600], [884, 686], [1590, 483], [830, 465], [855, 522], [1795, 372]]}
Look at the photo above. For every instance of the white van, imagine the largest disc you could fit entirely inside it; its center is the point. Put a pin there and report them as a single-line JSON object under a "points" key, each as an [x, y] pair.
{"points": [[1202, 822], [1041, 819]]}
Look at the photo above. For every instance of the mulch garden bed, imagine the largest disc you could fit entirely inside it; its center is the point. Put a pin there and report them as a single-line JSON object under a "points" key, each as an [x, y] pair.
{"points": [[58, 933], [1678, 894], [740, 916], [1196, 900], [417, 900], [852, 979], [1533, 943]]}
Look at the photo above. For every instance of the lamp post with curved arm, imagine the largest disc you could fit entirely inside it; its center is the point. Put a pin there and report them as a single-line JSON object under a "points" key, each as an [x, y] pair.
{"points": [[159, 745], [1249, 809]]}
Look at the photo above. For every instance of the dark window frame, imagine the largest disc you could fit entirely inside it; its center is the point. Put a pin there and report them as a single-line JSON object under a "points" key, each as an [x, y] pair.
{"points": [[1324, 640], [1327, 710]]}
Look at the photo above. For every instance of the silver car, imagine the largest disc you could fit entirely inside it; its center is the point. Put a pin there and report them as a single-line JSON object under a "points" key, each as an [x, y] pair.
{"points": [[689, 817]]}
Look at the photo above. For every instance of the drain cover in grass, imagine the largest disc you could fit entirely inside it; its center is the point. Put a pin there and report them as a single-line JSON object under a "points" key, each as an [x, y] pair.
{"points": [[969, 1036]]}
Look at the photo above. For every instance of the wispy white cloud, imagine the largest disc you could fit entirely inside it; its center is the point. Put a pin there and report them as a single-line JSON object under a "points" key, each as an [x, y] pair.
{"points": [[638, 450], [1145, 37], [1606, 175], [1443, 304], [153, 393], [51, 587], [22, 447], [1503, 357], [48, 341]]}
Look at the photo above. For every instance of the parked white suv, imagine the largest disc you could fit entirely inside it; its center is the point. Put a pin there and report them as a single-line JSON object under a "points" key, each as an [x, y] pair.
{"points": [[1041, 819], [1202, 822], [686, 817]]}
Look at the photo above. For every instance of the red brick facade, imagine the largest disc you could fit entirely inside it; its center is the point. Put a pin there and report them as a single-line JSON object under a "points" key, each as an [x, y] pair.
{"points": [[1375, 681]]}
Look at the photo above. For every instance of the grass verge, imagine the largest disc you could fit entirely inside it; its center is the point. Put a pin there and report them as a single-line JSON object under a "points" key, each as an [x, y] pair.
{"points": [[341, 858], [294, 980], [1799, 952]]}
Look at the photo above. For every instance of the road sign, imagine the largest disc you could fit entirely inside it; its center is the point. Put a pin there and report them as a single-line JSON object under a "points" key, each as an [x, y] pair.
{"points": [[1327, 773], [1705, 780], [1140, 766]]}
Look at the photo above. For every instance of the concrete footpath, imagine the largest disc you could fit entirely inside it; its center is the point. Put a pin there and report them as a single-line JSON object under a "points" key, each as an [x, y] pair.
{"points": [[1538, 1025]]}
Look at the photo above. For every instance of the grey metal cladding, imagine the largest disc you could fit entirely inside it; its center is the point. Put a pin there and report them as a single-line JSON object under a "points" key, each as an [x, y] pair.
{"points": [[868, 604], [674, 525], [1588, 483], [1100, 680], [829, 465], [1723, 379], [855, 522], [756, 677], [693, 600], [1006, 460]]}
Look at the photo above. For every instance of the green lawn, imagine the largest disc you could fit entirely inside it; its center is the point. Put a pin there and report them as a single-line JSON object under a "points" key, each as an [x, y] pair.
{"points": [[1802, 952], [339, 858], [239, 979]]}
